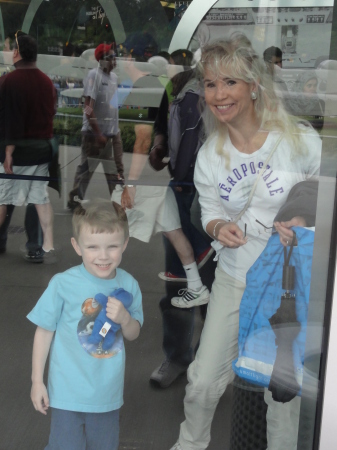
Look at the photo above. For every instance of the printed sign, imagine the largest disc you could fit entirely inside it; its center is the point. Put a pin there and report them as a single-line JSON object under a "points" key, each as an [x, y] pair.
{"points": [[96, 13], [226, 16], [315, 19]]}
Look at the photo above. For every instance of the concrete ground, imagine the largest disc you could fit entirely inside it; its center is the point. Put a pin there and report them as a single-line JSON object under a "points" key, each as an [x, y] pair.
{"points": [[151, 416]]}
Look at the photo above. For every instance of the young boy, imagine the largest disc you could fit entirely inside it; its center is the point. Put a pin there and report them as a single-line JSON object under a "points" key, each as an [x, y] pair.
{"points": [[85, 382]]}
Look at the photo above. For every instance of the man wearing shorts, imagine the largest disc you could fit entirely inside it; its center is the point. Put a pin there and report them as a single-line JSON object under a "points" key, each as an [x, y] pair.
{"points": [[28, 100]]}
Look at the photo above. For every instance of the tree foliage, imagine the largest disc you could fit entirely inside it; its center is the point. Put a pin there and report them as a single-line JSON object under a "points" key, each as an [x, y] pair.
{"points": [[60, 22]]}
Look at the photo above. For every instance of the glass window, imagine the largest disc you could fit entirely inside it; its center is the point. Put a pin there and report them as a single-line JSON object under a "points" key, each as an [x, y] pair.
{"points": [[210, 130]]}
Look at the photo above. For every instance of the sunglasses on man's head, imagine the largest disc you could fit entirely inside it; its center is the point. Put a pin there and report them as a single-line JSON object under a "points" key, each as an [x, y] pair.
{"points": [[107, 57]]}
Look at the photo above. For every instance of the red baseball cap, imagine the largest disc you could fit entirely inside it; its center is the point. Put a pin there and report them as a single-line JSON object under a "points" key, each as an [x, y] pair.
{"points": [[102, 50]]}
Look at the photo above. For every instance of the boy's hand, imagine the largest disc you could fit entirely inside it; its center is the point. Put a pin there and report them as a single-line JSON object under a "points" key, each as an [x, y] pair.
{"points": [[116, 312], [39, 397]]}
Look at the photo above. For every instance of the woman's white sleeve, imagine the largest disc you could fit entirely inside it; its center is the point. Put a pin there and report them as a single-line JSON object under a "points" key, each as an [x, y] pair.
{"points": [[205, 181]]}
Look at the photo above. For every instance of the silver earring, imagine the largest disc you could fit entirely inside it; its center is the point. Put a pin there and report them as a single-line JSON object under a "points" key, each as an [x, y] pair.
{"points": [[253, 95]]}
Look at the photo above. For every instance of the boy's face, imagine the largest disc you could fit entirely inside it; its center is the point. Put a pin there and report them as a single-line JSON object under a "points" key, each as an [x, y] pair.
{"points": [[101, 252]]}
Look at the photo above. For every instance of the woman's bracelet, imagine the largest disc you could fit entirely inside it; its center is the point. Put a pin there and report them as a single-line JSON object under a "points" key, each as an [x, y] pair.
{"points": [[220, 221]]}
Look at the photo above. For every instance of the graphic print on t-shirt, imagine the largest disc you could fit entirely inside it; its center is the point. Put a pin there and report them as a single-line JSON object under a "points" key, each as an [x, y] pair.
{"points": [[238, 175], [90, 309]]}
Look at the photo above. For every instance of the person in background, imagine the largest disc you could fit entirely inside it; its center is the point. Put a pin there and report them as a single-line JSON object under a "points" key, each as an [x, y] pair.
{"points": [[162, 215], [100, 129], [27, 148], [181, 140], [33, 231], [32, 224], [161, 62], [272, 57], [305, 101]]}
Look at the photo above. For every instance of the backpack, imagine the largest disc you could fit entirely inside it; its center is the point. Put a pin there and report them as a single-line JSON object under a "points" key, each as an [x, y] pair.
{"points": [[175, 134]]}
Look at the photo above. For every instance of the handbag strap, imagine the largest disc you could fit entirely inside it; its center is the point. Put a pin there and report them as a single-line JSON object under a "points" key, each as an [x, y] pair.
{"points": [[263, 169], [287, 255], [288, 276]]}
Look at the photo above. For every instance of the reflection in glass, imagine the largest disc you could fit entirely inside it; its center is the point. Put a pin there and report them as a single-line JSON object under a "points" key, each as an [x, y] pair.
{"points": [[68, 34], [27, 142]]}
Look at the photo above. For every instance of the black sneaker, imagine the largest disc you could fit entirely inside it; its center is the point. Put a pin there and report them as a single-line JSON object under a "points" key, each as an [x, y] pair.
{"points": [[40, 256], [34, 257], [166, 373]]}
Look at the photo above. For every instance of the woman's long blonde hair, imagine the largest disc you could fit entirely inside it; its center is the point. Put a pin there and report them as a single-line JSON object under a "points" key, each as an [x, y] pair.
{"points": [[235, 57]]}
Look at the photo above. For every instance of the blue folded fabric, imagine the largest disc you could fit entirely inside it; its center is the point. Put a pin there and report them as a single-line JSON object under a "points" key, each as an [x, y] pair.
{"points": [[261, 299]]}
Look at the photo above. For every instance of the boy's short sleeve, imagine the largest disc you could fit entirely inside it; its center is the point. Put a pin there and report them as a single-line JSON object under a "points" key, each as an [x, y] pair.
{"points": [[47, 311], [136, 309]]}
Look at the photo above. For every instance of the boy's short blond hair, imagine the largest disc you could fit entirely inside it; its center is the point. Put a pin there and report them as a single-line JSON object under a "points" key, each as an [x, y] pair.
{"points": [[102, 216]]}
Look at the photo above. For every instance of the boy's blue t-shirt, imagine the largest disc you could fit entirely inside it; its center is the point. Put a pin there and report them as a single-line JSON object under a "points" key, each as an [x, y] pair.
{"points": [[82, 377]]}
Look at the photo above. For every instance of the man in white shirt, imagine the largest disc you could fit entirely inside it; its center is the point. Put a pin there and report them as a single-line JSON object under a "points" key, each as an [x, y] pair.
{"points": [[100, 131]]}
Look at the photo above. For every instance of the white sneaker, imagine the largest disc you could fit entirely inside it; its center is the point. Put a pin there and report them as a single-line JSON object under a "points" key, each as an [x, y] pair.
{"points": [[176, 446], [189, 298]]}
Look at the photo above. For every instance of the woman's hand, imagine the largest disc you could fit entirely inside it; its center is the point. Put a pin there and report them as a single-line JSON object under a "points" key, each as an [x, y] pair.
{"points": [[230, 235], [285, 231]]}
